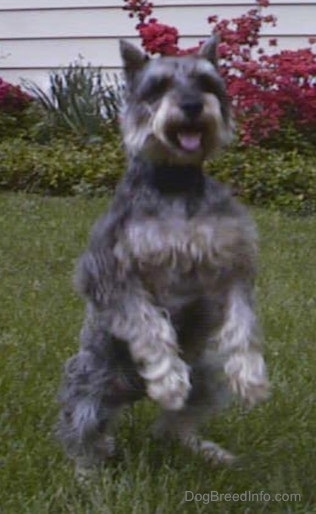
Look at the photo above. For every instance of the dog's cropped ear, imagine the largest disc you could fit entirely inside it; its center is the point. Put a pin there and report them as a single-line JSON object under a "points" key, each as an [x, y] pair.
{"points": [[208, 49], [133, 58]]}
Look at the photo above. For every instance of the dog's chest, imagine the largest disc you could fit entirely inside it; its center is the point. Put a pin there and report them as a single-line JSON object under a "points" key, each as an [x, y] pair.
{"points": [[180, 258], [175, 243], [180, 244]]}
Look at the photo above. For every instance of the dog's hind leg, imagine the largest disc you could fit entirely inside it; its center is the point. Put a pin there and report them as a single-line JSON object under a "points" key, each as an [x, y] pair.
{"points": [[182, 426], [98, 381], [210, 451], [209, 394], [86, 416]]}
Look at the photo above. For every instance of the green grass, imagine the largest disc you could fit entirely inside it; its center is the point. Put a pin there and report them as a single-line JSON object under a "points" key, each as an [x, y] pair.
{"points": [[40, 319]]}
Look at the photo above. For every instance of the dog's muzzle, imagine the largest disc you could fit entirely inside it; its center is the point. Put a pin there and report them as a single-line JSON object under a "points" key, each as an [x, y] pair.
{"points": [[190, 139]]}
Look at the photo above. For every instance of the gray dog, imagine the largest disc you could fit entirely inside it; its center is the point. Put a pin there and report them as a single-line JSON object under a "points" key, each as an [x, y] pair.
{"points": [[169, 272]]}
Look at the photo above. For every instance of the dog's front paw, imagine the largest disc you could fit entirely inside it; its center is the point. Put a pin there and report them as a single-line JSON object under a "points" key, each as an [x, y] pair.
{"points": [[247, 377], [172, 388]]}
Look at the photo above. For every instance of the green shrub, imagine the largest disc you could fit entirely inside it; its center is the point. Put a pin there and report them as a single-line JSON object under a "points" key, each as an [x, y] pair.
{"points": [[272, 178], [80, 100], [284, 180], [10, 125], [63, 167], [288, 137], [19, 123]]}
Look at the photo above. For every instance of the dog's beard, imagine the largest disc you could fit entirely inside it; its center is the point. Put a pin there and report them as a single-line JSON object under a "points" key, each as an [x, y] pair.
{"points": [[167, 135], [189, 141]]}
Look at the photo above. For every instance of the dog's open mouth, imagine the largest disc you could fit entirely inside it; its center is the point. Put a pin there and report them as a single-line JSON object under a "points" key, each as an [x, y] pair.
{"points": [[189, 141]]}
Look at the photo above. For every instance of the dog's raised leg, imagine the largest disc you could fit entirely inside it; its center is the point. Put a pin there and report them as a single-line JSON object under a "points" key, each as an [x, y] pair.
{"points": [[239, 343], [126, 311]]}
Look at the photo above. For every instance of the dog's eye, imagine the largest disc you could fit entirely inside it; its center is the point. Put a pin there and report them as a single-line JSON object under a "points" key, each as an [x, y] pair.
{"points": [[156, 88], [206, 84]]}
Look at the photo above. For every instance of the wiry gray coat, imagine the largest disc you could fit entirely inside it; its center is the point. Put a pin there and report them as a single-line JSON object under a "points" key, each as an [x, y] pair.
{"points": [[168, 279]]}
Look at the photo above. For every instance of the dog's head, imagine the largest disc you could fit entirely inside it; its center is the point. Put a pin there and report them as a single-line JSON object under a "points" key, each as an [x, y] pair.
{"points": [[176, 107]]}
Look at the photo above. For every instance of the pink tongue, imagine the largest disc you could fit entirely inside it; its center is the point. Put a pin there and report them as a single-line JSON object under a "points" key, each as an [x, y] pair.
{"points": [[190, 141]]}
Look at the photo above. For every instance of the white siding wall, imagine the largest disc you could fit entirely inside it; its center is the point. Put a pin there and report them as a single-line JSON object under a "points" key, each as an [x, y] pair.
{"points": [[38, 35]]}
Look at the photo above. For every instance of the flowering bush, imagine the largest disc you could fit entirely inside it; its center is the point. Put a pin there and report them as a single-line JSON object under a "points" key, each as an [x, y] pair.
{"points": [[12, 98], [15, 110], [271, 93]]}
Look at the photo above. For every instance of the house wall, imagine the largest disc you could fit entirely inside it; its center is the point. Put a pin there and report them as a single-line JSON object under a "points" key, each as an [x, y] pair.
{"points": [[39, 35]]}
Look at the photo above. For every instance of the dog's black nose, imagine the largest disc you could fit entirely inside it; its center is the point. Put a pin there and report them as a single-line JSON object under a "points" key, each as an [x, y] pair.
{"points": [[192, 108]]}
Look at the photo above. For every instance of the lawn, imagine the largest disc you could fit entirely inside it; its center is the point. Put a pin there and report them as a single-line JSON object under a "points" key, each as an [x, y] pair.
{"points": [[40, 318]]}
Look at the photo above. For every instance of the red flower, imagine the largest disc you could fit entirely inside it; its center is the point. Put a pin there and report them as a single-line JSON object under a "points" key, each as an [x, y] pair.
{"points": [[12, 98], [263, 3], [266, 90]]}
